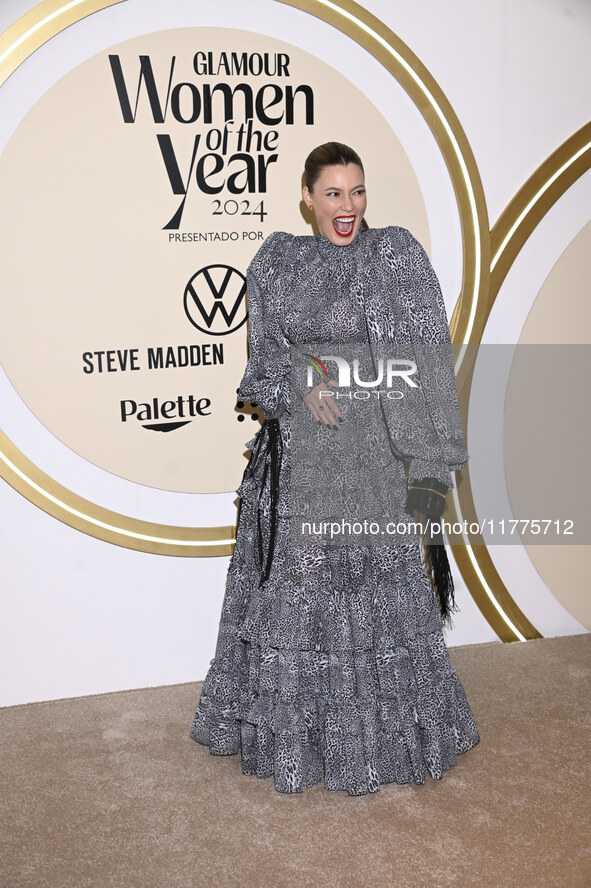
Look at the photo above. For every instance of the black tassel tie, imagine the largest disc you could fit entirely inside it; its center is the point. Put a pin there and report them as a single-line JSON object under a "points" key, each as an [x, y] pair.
{"points": [[441, 576], [269, 448], [426, 498]]}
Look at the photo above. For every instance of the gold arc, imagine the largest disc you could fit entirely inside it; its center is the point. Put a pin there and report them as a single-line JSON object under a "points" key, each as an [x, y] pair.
{"points": [[39, 25], [144, 536], [513, 228], [531, 203]]}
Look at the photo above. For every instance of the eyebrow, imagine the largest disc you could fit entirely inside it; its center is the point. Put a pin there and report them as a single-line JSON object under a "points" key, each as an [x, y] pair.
{"points": [[334, 187]]}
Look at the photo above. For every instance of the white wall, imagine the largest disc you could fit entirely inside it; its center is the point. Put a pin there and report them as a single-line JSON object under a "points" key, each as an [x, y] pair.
{"points": [[79, 616]]}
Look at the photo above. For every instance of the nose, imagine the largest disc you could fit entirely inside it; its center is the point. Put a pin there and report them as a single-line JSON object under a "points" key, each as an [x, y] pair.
{"points": [[347, 203]]}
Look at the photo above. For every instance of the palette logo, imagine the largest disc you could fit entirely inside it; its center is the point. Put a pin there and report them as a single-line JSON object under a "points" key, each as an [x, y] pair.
{"points": [[165, 416]]}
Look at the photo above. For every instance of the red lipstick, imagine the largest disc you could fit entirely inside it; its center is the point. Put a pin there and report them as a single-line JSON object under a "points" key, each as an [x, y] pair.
{"points": [[343, 225]]}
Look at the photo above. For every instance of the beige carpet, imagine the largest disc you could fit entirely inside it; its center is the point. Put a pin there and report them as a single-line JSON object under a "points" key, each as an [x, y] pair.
{"points": [[109, 791]]}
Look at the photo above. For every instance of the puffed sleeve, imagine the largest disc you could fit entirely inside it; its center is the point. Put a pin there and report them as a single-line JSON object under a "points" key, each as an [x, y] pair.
{"points": [[267, 374], [443, 446]]}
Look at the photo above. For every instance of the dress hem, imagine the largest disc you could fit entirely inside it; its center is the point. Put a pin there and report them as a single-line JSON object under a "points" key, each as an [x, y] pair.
{"points": [[334, 785]]}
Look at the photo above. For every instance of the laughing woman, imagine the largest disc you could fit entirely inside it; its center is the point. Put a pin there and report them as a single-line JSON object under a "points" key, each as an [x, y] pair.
{"points": [[330, 661]]}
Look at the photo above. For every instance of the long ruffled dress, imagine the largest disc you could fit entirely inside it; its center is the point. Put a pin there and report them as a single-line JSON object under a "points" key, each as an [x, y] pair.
{"points": [[334, 667]]}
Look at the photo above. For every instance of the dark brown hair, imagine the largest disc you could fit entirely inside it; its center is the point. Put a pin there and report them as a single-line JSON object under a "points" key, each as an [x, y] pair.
{"points": [[329, 154]]}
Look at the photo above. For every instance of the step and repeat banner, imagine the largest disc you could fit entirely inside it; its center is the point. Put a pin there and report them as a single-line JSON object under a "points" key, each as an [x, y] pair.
{"points": [[145, 155]]}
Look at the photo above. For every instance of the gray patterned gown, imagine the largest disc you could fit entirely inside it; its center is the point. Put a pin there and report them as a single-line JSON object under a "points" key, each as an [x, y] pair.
{"points": [[335, 667]]}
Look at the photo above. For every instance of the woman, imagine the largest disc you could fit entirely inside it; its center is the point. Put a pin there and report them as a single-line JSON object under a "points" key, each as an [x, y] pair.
{"points": [[330, 661]]}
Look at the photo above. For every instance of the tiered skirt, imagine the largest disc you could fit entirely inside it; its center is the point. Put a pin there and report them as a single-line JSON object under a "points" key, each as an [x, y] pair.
{"points": [[335, 668]]}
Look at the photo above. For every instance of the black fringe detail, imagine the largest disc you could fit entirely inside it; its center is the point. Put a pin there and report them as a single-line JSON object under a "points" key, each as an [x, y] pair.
{"points": [[441, 576], [269, 448]]}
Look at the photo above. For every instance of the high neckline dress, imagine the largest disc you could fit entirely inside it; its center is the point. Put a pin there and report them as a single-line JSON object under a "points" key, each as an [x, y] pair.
{"points": [[334, 667]]}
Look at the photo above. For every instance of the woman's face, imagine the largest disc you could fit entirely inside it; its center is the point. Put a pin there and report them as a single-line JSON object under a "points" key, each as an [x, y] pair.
{"points": [[339, 201]]}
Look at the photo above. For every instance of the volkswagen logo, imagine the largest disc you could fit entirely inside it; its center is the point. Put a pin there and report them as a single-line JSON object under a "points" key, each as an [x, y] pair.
{"points": [[214, 300]]}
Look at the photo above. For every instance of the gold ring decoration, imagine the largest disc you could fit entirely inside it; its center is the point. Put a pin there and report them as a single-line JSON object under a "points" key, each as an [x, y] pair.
{"points": [[158, 539], [525, 211], [39, 25]]}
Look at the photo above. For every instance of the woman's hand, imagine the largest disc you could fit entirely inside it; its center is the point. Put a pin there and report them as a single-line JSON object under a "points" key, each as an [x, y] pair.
{"points": [[324, 407]]}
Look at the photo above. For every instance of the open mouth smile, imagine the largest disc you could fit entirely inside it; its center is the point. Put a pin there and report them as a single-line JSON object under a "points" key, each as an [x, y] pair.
{"points": [[343, 225]]}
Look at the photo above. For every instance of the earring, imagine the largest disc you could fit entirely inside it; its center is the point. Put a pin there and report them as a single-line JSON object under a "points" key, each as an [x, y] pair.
{"points": [[311, 207]]}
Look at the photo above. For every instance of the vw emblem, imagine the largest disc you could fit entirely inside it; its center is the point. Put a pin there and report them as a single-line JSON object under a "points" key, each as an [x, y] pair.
{"points": [[214, 300]]}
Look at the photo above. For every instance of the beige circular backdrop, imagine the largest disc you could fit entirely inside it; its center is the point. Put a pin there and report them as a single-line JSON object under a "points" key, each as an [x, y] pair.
{"points": [[134, 194]]}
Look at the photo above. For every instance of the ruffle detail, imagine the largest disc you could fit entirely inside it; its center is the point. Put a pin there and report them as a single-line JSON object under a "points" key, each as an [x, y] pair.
{"points": [[336, 600], [355, 720]]}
